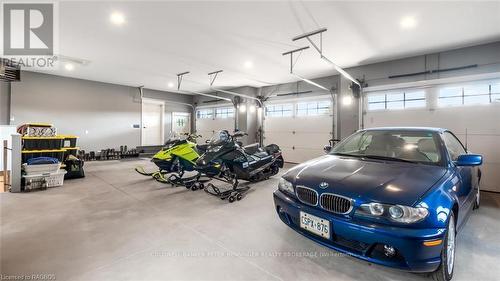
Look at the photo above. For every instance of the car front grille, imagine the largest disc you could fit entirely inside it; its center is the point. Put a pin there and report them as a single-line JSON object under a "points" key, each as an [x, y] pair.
{"points": [[307, 195], [335, 203]]}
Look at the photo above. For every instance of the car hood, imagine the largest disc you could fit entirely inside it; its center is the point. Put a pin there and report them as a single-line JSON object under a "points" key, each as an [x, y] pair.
{"points": [[367, 180]]}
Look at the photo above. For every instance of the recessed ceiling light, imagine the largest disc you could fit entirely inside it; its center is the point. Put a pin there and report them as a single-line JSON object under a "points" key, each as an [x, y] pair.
{"points": [[408, 22], [117, 18], [248, 64], [170, 85], [69, 66]]}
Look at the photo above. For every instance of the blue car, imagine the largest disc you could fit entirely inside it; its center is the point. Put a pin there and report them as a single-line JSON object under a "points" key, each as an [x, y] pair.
{"points": [[390, 196]]}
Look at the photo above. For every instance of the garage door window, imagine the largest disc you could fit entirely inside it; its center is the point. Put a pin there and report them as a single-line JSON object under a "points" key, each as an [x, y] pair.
{"points": [[392, 101], [313, 108], [279, 110], [473, 94], [495, 92], [224, 112], [205, 114]]}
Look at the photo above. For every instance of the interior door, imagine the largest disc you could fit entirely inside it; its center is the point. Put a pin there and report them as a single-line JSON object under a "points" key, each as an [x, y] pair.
{"points": [[152, 123], [181, 122]]}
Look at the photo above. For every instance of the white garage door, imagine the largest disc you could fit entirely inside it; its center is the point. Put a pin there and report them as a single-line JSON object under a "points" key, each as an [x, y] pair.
{"points": [[210, 120], [300, 128], [471, 109]]}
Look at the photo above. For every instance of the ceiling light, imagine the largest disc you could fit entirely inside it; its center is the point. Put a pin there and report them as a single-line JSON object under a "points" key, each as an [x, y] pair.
{"points": [[117, 18], [170, 85], [69, 66], [248, 64], [347, 100], [408, 22], [243, 108], [252, 109]]}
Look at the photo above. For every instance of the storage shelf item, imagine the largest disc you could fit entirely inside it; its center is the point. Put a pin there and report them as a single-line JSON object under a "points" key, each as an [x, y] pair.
{"points": [[70, 151], [55, 153], [46, 180], [37, 130], [41, 168], [42, 143], [69, 140]]}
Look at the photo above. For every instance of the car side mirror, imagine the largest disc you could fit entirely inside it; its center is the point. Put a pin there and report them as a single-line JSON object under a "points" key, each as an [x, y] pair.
{"points": [[333, 142], [469, 160], [327, 148]]}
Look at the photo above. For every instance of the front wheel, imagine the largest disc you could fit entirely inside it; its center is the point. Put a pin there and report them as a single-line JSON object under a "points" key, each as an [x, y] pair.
{"points": [[477, 202], [445, 269]]}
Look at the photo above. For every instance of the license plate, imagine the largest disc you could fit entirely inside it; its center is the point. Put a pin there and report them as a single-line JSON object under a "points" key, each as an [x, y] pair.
{"points": [[315, 225]]}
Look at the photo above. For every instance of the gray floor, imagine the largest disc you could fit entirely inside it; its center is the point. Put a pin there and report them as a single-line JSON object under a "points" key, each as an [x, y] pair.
{"points": [[118, 225]]}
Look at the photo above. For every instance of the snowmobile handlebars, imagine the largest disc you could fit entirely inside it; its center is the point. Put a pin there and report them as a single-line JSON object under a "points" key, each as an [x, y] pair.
{"points": [[239, 134]]}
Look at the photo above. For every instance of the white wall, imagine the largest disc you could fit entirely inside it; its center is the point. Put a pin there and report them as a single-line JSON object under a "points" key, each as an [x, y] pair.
{"points": [[101, 114]]}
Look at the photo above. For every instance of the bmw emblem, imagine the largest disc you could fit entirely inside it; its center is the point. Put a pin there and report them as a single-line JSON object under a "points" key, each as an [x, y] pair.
{"points": [[323, 185]]}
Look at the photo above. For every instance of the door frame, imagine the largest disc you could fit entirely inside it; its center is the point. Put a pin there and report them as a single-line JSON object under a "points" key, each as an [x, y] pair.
{"points": [[161, 103], [183, 113]]}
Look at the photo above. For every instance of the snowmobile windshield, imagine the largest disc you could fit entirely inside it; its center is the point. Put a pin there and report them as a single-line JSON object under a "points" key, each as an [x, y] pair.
{"points": [[173, 138], [219, 138]]}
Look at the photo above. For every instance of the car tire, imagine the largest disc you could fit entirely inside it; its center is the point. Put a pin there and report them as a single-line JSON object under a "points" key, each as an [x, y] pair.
{"points": [[445, 269], [477, 201]]}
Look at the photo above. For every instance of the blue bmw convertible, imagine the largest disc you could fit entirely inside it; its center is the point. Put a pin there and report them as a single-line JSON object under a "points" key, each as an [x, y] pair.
{"points": [[391, 196]]}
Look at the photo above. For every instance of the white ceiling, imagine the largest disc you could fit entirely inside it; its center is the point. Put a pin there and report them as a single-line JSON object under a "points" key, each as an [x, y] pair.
{"points": [[160, 39]]}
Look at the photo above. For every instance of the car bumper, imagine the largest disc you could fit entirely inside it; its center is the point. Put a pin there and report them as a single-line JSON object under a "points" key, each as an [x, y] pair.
{"points": [[365, 240]]}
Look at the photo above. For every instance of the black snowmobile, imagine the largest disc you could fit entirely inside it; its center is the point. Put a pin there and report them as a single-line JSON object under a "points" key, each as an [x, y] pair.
{"points": [[227, 160]]}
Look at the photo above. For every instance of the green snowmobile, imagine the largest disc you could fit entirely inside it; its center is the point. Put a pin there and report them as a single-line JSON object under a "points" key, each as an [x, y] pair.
{"points": [[178, 156]]}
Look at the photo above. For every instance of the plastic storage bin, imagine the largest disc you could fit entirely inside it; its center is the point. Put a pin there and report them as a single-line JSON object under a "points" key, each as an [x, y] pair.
{"points": [[42, 143], [70, 151], [55, 153], [43, 180], [37, 130], [69, 141], [41, 168]]}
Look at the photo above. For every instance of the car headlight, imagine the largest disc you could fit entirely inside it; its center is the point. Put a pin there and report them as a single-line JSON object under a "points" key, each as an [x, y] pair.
{"points": [[398, 213], [285, 185], [214, 148]]}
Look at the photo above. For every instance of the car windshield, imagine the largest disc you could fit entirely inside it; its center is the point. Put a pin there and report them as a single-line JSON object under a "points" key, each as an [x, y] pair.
{"points": [[219, 137], [396, 145]]}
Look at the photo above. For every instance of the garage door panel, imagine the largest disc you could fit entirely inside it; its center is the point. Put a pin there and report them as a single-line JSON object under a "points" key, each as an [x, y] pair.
{"points": [[314, 140], [301, 137], [490, 176], [488, 145], [303, 154], [279, 138], [207, 127], [280, 124], [479, 121], [318, 124]]}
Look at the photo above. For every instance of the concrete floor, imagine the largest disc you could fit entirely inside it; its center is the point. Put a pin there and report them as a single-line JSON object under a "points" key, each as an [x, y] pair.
{"points": [[118, 225]]}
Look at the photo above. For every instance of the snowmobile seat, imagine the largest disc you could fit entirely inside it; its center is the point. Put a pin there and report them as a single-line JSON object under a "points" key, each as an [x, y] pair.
{"points": [[202, 148], [252, 148]]}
